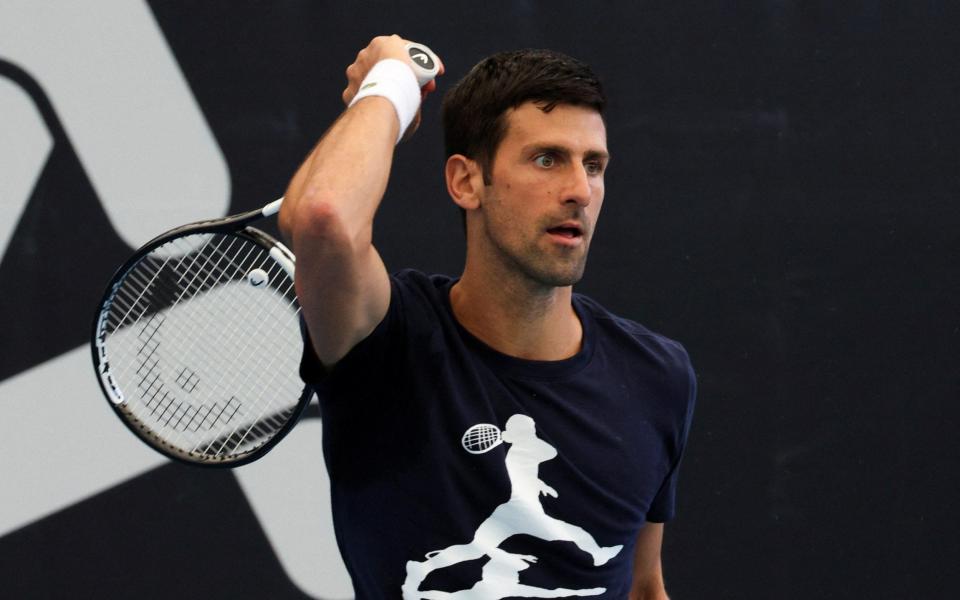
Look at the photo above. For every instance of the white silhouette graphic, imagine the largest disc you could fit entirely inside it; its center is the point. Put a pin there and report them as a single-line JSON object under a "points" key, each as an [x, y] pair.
{"points": [[521, 514], [501, 575]]}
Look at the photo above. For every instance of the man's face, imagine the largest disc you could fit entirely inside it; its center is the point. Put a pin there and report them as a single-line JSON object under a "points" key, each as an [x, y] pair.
{"points": [[546, 188]]}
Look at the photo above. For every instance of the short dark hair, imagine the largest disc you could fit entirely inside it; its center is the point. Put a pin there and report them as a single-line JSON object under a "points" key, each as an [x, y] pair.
{"points": [[474, 110]]}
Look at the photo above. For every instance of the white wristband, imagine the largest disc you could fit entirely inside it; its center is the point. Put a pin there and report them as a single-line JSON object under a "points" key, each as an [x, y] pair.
{"points": [[394, 80]]}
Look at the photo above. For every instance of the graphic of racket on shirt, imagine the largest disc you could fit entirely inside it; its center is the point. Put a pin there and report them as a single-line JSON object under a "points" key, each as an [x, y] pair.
{"points": [[521, 514]]}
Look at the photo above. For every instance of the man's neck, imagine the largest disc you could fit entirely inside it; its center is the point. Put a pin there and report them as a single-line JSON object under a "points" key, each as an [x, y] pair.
{"points": [[525, 321]]}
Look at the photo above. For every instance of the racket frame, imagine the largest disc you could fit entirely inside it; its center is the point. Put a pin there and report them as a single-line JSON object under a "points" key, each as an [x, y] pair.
{"points": [[236, 225], [470, 432]]}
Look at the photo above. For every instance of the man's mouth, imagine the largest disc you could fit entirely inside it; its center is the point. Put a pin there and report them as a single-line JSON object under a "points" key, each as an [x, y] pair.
{"points": [[567, 231]]}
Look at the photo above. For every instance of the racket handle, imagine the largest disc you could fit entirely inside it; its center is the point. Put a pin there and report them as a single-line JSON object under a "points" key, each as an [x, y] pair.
{"points": [[426, 65]]}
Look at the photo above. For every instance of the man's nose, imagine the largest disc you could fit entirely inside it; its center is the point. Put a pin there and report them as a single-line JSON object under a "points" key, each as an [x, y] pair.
{"points": [[578, 186]]}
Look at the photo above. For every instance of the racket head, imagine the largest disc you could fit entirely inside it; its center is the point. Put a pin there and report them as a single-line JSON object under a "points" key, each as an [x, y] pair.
{"points": [[197, 343], [481, 438]]}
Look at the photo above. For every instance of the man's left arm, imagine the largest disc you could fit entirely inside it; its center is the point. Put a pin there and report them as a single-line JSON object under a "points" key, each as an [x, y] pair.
{"points": [[647, 569]]}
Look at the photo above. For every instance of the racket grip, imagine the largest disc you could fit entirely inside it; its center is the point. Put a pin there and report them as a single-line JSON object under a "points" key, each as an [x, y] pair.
{"points": [[426, 65]]}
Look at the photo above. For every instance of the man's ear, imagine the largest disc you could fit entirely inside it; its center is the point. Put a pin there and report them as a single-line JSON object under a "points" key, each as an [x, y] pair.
{"points": [[464, 181]]}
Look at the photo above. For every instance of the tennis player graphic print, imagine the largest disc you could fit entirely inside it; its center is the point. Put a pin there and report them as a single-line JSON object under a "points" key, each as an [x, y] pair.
{"points": [[521, 514]]}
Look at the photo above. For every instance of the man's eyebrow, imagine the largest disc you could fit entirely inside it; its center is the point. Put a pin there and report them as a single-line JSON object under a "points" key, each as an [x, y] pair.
{"points": [[538, 148], [597, 154], [563, 150]]}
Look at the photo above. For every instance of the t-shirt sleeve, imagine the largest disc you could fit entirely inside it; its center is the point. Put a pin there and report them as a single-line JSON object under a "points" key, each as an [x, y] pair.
{"points": [[373, 353], [663, 507]]}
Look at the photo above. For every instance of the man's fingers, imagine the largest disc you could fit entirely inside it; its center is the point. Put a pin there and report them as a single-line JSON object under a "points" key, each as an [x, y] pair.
{"points": [[379, 48]]}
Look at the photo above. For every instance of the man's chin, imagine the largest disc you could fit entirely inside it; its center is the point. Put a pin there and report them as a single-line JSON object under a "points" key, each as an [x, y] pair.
{"points": [[561, 278], [549, 270]]}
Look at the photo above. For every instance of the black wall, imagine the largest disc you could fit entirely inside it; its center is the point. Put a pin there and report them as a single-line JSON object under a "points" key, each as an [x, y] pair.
{"points": [[782, 199]]}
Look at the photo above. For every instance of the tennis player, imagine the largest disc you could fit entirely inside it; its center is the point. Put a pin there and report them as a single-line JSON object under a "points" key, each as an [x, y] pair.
{"points": [[599, 407]]}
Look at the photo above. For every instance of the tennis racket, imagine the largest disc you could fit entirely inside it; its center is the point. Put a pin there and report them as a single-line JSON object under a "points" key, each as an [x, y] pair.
{"points": [[196, 342], [481, 438]]}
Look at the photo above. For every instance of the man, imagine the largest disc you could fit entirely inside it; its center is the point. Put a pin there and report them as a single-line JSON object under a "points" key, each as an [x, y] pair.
{"points": [[595, 409]]}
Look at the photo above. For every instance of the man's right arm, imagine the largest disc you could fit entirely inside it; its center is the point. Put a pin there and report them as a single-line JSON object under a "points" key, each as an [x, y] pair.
{"points": [[327, 215]]}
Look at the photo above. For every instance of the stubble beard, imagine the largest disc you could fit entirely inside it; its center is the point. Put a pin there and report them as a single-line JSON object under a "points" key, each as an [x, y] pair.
{"points": [[539, 262]]}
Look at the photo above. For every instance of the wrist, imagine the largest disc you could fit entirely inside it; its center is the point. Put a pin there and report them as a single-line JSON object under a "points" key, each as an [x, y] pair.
{"points": [[394, 80]]}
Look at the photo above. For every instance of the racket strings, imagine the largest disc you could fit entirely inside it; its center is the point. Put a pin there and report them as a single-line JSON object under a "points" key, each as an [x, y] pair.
{"points": [[262, 422], [182, 291], [208, 358], [231, 441], [192, 288], [251, 409], [261, 430], [181, 248], [137, 303], [159, 289], [271, 365], [481, 437], [275, 273]]}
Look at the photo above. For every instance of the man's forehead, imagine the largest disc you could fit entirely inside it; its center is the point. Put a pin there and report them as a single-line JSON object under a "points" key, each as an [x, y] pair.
{"points": [[562, 124]]}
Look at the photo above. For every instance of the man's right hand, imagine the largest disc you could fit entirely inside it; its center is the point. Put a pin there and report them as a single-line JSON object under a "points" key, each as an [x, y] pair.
{"points": [[380, 48]]}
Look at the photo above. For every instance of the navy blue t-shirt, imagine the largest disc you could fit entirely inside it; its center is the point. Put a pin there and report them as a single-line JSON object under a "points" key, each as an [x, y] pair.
{"points": [[589, 452]]}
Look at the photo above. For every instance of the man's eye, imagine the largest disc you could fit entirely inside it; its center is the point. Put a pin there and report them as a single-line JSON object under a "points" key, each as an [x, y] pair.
{"points": [[544, 160], [594, 167]]}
